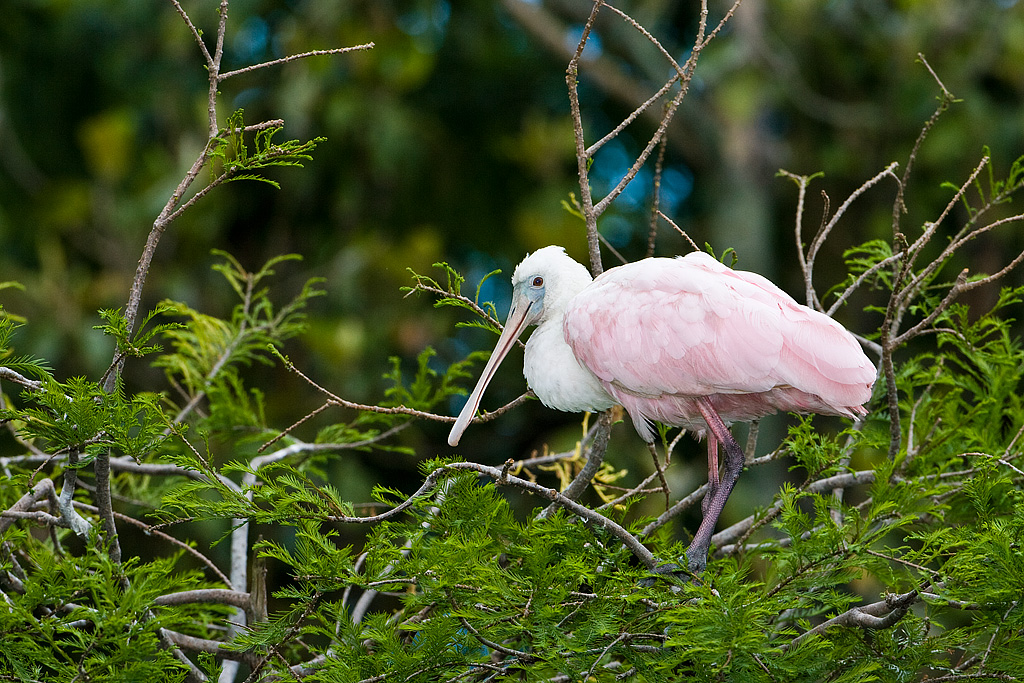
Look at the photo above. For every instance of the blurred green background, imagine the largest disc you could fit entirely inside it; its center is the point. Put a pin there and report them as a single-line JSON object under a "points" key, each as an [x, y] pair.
{"points": [[451, 140]]}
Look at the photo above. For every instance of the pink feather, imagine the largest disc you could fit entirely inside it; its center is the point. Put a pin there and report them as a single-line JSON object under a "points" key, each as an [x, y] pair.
{"points": [[660, 332]]}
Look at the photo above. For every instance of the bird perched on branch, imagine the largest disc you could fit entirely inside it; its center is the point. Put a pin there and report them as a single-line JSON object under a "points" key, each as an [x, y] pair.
{"points": [[684, 341]]}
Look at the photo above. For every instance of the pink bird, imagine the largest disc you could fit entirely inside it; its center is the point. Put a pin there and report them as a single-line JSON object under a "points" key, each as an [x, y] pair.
{"points": [[684, 341]]}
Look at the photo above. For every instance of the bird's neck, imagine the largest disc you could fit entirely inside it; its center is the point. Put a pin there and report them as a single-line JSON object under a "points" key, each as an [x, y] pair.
{"points": [[555, 375]]}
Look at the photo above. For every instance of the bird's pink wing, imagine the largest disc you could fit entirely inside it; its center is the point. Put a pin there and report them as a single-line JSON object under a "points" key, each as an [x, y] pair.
{"points": [[693, 327]]}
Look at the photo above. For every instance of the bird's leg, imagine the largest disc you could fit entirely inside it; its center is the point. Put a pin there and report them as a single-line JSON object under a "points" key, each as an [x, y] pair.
{"points": [[697, 553], [713, 480]]}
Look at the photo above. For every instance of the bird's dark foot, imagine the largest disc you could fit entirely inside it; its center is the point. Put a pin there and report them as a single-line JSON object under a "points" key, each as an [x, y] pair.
{"points": [[696, 559], [670, 572]]}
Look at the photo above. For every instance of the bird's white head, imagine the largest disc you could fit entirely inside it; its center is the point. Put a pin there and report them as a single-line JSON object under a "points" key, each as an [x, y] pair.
{"points": [[544, 283], [542, 286]]}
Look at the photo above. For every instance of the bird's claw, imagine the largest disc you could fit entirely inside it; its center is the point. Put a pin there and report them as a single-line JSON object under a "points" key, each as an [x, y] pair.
{"points": [[672, 572]]}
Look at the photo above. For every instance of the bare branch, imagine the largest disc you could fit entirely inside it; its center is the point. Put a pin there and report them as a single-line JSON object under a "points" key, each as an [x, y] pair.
{"points": [[101, 470], [684, 74], [659, 165], [899, 206], [292, 58], [34, 515], [41, 491], [151, 531], [647, 34], [977, 232], [680, 231], [525, 657], [861, 279], [958, 287], [614, 132], [1001, 461], [826, 228], [946, 95], [670, 111], [801, 183], [13, 376], [194, 644], [215, 595], [878, 615], [428, 485], [195, 32], [214, 71], [609, 247], [402, 410], [909, 291], [582, 160]]}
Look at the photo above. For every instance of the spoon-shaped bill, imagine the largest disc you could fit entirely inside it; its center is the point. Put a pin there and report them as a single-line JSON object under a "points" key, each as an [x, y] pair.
{"points": [[514, 325]]}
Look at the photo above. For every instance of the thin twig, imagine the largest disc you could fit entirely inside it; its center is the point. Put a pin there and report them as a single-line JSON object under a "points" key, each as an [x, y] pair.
{"points": [[602, 205], [402, 410], [861, 279], [659, 164], [647, 34], [614, 132], [428, 485], [801, 183], [292, 58], [150, 531], [826, 228], [476, 308], [909, 291], [679, 230], [582, 159], [195, 32]]}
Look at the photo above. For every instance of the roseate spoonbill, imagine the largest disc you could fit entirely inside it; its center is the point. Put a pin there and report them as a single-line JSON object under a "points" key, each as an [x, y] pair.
{"points": [[684, 341]]}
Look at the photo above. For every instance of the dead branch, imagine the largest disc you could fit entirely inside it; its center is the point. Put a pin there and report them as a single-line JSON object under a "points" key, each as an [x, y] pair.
{"points": [[878, 615]]}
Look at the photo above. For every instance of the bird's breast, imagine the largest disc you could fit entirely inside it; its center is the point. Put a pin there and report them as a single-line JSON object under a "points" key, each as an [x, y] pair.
{"points": [[557, 377]]}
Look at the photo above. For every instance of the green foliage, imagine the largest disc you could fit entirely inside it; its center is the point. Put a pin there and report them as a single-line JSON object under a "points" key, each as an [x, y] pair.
{"points": [[451, 295], [26, 365], [138, 344], [206, 348], [208, 352], [862, 261], [238, 162], [80, 415], [428, 388], [999, 190], [483, 591], [729, 254], [84, 617]]}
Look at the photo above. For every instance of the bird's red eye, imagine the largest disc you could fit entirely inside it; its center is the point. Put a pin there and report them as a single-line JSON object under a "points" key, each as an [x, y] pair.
{"points": [[538, 281]]}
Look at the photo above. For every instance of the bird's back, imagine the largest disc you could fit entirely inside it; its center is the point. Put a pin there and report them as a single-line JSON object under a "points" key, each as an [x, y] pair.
{"points": [[660, 332]]}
